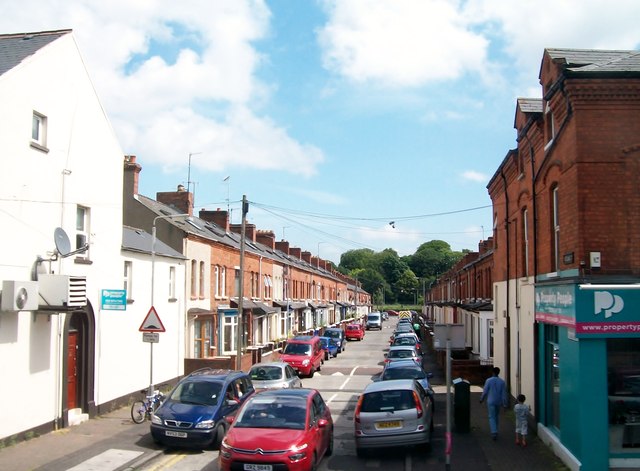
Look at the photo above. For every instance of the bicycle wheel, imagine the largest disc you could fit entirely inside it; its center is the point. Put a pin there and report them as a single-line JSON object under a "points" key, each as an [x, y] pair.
{"points": [[138, 412]]}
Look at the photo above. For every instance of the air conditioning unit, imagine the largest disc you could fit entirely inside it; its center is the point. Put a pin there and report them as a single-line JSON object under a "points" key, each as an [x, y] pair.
{"points": [[62, 292], [19, 295]]}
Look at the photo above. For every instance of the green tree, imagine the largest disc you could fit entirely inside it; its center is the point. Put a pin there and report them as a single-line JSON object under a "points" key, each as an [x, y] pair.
{"points": [[354, 259], [407, 285]]}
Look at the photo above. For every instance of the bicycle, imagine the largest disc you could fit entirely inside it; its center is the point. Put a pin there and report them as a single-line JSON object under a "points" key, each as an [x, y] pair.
{"points": [[142, 410]]}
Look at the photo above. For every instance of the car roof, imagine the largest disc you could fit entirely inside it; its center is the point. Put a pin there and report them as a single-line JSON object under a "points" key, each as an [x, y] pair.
{"points": [[294, 392], [214, 375], [281, 364], [404, 364], [302, 338], [338, 329], [389, 385]]}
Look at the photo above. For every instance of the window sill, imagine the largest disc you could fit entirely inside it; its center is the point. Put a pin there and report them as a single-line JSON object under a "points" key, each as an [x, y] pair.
{"points": [[82, 261], [39, 147]]}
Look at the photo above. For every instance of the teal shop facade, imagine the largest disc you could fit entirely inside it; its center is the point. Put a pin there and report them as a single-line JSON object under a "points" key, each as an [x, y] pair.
{"points": [[588, 383]]}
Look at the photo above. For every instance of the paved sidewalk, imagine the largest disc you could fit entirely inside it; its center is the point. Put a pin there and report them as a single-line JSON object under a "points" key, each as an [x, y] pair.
{"points": [[477, 450]]}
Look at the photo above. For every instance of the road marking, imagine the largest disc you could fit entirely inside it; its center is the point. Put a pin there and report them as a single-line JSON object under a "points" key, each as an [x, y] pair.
{"points": [[332, 398], [107, 461]]}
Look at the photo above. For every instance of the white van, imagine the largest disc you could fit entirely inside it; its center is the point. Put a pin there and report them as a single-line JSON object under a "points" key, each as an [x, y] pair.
{"points": [[374, 321]]}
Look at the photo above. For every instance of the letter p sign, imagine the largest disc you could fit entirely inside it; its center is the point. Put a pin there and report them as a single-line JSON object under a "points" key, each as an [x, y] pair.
{"points": [[607, 302]]}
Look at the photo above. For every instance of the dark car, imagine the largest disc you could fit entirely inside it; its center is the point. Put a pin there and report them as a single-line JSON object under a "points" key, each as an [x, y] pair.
{"points": [[192, 414], [338, 335], [329, 346], [408, 369]]}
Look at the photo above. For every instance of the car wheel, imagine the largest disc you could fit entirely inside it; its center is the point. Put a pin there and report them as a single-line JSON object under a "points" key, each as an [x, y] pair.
{"points": [[217, 441], [314, 463], [329, 451], [311, 373]]}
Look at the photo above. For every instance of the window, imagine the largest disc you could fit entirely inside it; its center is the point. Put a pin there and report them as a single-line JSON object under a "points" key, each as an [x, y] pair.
{"points": [[128, 279], [194, 279], [39, 131], [549, 125], [623, 385], [236, 284], [82, 229], [202, 279], [216, 281], [555, 225], [172, 282], [229, 326], [223, 282]]}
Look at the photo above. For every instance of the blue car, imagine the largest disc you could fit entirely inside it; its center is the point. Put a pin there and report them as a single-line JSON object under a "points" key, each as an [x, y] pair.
{"points": [[330, 347], [192, 414]]}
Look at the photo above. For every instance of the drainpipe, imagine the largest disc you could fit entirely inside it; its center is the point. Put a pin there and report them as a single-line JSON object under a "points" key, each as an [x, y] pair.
{"points": [[507, 340]]}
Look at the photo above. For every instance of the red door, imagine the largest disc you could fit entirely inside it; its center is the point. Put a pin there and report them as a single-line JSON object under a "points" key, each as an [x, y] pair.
{"points": [[72, 377]]}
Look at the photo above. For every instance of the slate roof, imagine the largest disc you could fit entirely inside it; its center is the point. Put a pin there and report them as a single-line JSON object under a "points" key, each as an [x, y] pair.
{"points": [[590, 61], [15, 48], [137, 240]]}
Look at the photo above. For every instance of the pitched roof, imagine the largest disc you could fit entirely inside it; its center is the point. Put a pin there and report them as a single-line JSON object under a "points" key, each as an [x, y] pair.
{"points": [[15, 48], [582, 61]]}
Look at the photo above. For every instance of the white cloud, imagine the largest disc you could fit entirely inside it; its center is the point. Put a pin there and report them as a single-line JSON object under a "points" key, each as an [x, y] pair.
{"points": [[474, 176], [198, 97], [400, 42]]}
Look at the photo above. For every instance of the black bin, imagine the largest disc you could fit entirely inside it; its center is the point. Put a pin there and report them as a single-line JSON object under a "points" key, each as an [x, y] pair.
{"points": [[461, 404]]}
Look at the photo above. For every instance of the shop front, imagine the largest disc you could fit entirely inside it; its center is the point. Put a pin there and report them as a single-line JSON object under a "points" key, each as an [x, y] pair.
{"points": [[589, 373]]}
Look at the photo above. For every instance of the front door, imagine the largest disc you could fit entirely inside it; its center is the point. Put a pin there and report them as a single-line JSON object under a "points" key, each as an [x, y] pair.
{"points": [[72, 370]]}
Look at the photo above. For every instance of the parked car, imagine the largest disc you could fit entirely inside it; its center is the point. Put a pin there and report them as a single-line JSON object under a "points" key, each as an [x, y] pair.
{"points": [[275, 374], [408, 369], [374, 321], [385, 316], [304, 353], [402, 352], [329, 346], [408, 339], [354, 331], [192, 414], [288, 429], [393, 413], [337, 334]]}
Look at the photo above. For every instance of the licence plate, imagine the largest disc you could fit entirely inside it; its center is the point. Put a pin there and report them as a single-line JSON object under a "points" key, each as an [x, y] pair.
{"points": [[257, 467], [171, 433], [389, 424]]}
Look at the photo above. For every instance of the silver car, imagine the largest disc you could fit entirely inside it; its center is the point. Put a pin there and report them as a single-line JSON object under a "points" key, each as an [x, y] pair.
{"points": [[393, 413], [274, 375]]}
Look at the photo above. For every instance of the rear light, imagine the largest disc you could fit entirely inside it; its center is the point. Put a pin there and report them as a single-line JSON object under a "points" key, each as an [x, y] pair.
{"points": [[416, 399], [356, 415]]}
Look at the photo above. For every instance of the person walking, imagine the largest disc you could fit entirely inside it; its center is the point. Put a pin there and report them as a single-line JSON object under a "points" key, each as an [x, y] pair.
{"points": [[521, 411], [495, 392]]}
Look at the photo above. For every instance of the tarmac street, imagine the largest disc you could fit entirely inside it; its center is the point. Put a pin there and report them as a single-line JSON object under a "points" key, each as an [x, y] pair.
{"points": [[112, 442]]}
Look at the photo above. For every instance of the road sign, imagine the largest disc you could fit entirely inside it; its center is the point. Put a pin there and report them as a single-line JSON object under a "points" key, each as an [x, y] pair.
{"points": [[151, 337], [152, 322]]}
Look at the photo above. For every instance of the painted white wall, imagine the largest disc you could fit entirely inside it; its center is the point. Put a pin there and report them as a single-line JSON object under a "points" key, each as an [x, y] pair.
{"points": [[40, 191], [199, 252]]}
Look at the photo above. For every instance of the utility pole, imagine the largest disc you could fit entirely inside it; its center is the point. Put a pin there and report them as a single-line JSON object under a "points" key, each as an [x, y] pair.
{"points": [[240, 331]]}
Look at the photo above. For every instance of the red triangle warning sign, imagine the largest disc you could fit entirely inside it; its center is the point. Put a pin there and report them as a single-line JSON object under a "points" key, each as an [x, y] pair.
{"points": [[152, 322]]}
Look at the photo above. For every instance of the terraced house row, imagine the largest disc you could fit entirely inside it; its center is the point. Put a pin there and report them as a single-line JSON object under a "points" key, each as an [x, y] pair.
{"points": [[561, 317], [88, 262]]}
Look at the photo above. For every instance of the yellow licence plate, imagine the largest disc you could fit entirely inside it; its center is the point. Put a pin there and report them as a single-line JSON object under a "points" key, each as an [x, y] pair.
{"points": [[389, 424]]}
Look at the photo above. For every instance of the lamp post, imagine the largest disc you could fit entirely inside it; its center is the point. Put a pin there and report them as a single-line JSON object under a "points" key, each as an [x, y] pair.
{"points": [[153, 275]]}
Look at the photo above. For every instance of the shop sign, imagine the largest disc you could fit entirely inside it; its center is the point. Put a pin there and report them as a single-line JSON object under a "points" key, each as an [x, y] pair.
{"points": [[556, 304], [606, 311]]}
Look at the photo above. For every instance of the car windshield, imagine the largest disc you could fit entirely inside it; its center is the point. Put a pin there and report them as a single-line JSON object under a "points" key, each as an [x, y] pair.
{"points": [[388, 401], [373, 317], [273, 412], [403, 373], [297, 349], [404, 341], [353, 327], [265, 373], [332, 333], [203, 393], [401, 354]]}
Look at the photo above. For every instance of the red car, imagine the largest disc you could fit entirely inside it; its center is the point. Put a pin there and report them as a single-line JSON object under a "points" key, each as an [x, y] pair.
{"points": [[288, 429], [354, 332]]}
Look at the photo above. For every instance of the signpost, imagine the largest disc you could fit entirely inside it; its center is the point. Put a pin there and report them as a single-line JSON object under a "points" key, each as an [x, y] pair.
{"points": [[150, 328]]}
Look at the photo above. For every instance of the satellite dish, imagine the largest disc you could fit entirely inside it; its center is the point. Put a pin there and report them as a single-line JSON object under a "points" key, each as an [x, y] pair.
{"points": [[63, 245]]}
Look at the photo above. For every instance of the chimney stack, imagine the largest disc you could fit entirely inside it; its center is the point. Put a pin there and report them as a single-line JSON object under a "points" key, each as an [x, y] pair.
{"points": [[283, 246], [181, 200], [266, 238], [218, 217], [131, 176], [249, 230]]}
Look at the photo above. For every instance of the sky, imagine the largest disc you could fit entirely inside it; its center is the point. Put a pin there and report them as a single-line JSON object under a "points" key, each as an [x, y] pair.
{"points": [[347, 124]]}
